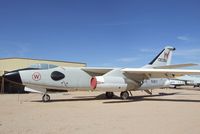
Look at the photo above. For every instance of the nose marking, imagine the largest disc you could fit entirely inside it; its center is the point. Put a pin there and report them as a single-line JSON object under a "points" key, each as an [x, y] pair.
{"points": [[36, 76]]}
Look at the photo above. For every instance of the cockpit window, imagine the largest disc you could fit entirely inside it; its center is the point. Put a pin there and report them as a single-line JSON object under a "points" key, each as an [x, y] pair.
{"points": [[57, 75], [33, 66], [52, 66], [43, 66]]}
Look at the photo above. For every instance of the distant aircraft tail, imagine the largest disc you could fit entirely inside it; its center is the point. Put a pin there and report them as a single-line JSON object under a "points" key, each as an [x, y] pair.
{"points": [[162, 59]]}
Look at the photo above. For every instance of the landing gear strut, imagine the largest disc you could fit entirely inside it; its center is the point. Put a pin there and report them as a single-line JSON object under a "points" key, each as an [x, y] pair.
{"points": [[45, 98], [109, 95], [124, 95]]}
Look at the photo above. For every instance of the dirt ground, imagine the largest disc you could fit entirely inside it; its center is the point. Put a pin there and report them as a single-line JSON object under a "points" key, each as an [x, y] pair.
{"points": [[167, 111]]}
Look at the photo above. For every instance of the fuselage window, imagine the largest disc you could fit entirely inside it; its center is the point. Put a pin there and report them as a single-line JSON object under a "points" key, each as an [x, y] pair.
{"points": [[57, 75]]}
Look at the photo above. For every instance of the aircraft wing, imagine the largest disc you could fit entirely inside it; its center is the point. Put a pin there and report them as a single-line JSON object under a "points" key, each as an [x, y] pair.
{"points": [[145, 73], [176, 66], [96, 71]]}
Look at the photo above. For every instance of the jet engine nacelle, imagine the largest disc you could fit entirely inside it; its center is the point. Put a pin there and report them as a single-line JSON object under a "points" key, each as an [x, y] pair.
{"points": [[109, 83]]}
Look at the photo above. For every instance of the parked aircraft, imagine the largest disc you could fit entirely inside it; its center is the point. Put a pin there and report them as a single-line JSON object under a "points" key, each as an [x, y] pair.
{"points": [[190, 80], [109, 80], [176, 82]]}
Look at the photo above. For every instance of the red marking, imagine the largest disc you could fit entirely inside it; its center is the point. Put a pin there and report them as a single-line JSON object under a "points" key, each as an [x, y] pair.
{"points": [[36, 76], [166, 55], [93, 83]]}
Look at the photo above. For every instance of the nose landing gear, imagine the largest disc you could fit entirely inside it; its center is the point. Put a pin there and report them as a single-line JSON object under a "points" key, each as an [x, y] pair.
{"points": [[46, 98]]}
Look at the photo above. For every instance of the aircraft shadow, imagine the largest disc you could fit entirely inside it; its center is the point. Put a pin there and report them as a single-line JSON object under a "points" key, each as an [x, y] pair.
{"points": [[189, 89], [115, 98], [80, 98], [150, 98]]}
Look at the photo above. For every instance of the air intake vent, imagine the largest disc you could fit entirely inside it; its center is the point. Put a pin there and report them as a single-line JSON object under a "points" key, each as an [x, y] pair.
{"points": [[57, 76]]}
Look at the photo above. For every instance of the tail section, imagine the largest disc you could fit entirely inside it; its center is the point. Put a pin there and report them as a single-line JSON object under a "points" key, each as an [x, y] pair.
{"points": [[162, 59]]}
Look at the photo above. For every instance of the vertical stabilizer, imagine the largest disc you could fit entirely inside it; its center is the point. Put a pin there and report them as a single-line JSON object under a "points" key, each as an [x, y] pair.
{"points": [[162, 59]]}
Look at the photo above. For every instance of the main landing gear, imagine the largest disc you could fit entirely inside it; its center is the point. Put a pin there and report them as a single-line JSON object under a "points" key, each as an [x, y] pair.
{"points": [[124, 95], [109, 95], [46, 98]]}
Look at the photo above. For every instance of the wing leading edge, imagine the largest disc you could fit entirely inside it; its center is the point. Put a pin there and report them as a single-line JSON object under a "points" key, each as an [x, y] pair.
{"points": [[176, 66], [159, 73]]}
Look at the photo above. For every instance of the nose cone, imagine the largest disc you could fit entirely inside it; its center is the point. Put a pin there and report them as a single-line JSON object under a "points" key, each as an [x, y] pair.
{"points": [[13, 77]]}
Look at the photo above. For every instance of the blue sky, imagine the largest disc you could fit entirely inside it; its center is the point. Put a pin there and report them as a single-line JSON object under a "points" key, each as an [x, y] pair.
{"points": [[120, 33]]}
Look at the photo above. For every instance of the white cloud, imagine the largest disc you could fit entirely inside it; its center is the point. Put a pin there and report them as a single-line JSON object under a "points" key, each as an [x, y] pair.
{"points": [[146, 50], [14, 49], [22, 50], [127, 59], [190, 52], [183, 38]]}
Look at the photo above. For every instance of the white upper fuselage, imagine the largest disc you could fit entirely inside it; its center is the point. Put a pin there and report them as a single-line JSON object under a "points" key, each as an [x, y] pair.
{"points": [[75, 79]]}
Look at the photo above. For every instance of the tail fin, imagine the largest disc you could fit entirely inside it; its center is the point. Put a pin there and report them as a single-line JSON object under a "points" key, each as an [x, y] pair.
{"points": [[162, 59]]}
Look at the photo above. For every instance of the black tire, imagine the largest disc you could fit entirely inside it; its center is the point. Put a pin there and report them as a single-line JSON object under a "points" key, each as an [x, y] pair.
{"points": [[124, 95], [109, 95], [46, 98]]}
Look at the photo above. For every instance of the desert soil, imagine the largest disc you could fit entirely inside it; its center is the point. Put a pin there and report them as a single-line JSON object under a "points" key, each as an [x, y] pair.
{"points": [[167, 111]]}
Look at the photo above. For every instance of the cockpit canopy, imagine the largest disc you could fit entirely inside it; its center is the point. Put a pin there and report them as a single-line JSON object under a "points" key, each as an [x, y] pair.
{"points": [[43, 66]]}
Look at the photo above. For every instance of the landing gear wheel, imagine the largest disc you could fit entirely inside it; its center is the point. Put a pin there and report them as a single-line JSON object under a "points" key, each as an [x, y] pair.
{"points": [[124, 95], [45, 98], [109, 95]]}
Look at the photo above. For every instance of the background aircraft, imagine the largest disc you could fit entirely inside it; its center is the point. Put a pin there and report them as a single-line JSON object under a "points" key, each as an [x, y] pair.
{"points": [[190, 80], [108, 80], [176, 82]]}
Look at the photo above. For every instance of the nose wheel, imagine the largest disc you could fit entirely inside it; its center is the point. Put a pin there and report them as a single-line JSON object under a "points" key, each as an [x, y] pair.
{"points": [[46, 98], [124, 95]]}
